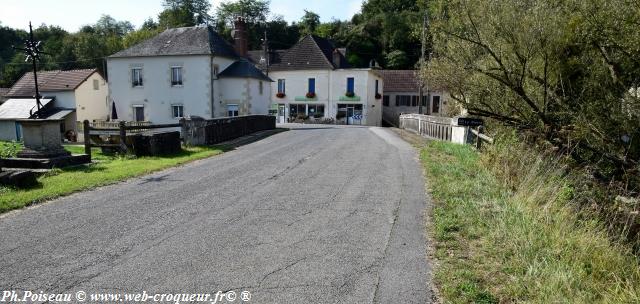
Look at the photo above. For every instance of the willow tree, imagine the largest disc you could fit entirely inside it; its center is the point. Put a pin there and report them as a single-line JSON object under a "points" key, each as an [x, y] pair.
{"points": [[562, 70]]}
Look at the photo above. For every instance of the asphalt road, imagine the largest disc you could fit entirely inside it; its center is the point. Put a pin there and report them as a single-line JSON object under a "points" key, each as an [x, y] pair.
{"points": [[312, 215]]}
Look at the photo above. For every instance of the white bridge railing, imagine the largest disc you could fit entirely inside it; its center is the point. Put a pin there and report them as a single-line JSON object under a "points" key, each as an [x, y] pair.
{"points": [[456, 130]]}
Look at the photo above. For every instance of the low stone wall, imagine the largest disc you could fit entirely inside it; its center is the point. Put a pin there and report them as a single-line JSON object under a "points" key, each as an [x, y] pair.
{"points": [[199, 131]]}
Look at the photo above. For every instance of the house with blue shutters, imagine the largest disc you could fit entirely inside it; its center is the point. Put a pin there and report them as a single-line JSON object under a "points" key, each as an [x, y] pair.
{"points": [[313, 81]]}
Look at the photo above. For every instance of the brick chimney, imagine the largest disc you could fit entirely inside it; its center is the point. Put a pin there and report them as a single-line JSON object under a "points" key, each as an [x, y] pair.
{"points": [[241, 37]]}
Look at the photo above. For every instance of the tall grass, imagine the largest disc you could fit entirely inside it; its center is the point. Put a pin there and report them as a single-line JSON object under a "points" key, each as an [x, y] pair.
{"points": [[508, 229]]}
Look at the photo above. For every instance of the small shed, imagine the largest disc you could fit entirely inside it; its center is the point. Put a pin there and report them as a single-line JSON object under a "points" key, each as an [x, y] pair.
{"points": [[22, 108]]}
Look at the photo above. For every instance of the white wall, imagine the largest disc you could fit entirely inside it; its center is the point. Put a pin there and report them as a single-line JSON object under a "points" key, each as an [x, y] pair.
{"points": [[259, 102], [66, 99], [8, 130], [157, 95], [92, 104]]}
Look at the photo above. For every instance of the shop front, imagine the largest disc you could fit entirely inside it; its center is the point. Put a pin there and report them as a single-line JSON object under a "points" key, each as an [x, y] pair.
{"points": [[350, 114], [299, 112]]}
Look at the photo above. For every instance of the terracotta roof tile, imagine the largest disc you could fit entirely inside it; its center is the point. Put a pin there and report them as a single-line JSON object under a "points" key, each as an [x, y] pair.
{"points": [[49, 81], [400, 80]]}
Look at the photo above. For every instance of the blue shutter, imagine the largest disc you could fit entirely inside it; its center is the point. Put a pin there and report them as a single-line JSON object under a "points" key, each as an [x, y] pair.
{"points": [[350, 84], [312, 85]]}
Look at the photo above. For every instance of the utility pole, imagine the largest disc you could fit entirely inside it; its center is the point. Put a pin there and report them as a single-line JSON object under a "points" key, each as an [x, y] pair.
{"points": [[265, 52], [425, 22]]}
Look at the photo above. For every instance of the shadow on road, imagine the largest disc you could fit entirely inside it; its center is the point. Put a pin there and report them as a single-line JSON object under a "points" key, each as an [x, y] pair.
{"points": [[245, 140]]}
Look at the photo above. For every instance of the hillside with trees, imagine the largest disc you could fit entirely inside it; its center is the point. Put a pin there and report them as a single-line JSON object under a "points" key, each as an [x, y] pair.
{"points": [[386, 31]]}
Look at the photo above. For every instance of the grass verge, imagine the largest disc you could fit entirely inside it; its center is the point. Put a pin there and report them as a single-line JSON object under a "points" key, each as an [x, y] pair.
{"points": [[105, 170], [498, 241]]}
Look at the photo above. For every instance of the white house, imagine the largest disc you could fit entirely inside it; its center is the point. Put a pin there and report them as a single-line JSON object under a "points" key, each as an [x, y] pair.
{"points": [[73, 95], [313, 80], [189, 71], [401, 91]]}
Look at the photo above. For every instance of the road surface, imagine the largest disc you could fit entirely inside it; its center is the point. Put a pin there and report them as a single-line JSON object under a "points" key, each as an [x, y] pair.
{"points": [[317, 214]]}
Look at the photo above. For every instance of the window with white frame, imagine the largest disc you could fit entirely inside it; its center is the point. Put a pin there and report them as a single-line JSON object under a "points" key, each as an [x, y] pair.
{"points": [[176, 76], [96, 84], [232, 110], [138, 113], [281, 86], [177, 111], [136, 77]]}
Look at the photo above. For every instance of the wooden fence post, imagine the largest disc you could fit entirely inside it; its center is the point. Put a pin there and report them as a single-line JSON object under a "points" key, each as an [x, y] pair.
{"points": [[478, 139], [123, 138], [86, 129]]}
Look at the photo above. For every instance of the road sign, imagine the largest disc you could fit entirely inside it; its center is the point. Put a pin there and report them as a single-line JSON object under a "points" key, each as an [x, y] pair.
{"points": [[470, 122], [357, 117]]}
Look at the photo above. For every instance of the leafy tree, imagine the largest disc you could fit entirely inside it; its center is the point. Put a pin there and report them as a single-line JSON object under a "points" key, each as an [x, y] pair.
{"points": [[138, 36], [253, 11], [309, 22], [108, 26], [281, 35], [179, 13], [396, 59], [560, 70], [149, 24]]}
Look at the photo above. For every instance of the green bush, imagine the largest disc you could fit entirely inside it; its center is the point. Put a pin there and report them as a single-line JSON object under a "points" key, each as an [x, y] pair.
{"points": [[9, 149]]}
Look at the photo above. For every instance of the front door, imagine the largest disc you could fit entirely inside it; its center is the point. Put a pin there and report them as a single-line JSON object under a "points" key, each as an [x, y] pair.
{"points": [[138, 113], [281, 113], [18, 132], [350, 112]]}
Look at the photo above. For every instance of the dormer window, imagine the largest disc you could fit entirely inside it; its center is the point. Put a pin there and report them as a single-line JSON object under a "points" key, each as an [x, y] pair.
{"points": [[136, 77]]}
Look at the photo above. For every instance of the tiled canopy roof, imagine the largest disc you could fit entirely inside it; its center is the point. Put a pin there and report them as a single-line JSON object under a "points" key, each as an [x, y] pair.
{"points": [[312, 52], [49, 81], [197, 40], [400, 80]]}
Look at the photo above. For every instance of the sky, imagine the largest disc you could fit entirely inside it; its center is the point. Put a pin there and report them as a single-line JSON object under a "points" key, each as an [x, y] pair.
{"points": [[72, 14]]}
